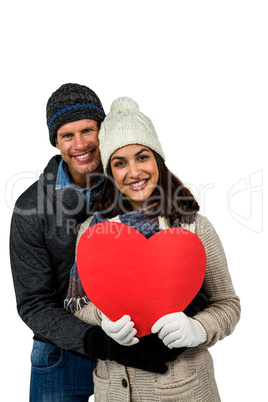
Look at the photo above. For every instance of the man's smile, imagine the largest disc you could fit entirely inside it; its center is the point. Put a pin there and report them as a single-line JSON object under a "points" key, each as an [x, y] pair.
{"points": [[84, 156]]}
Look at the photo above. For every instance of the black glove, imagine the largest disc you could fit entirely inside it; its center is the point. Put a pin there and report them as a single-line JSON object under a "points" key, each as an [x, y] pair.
{"points": [[152, 348], [98, 345], [199, 303]]}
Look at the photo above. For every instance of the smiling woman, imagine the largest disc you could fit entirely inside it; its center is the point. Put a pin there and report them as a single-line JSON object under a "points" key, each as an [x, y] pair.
{"points": [[142, 193], [135, 173]]}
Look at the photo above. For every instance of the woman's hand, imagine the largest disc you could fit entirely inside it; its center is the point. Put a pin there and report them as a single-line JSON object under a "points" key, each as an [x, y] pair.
{"points": [[176, 330], [121, 331]]}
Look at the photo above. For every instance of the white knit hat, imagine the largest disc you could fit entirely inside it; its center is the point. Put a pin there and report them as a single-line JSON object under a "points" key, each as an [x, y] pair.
{"points": [[126, 125]]}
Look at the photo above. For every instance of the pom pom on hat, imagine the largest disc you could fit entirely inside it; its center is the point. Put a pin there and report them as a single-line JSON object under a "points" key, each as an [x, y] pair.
{"points": [[126, 125], [123, 105]]}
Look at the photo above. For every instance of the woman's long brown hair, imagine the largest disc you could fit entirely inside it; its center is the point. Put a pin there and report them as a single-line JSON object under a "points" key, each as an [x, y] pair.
{"points": [[175, 202]]}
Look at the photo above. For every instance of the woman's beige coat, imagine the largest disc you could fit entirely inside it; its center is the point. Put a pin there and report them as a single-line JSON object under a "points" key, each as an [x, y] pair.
{"points": [[191, 376]]}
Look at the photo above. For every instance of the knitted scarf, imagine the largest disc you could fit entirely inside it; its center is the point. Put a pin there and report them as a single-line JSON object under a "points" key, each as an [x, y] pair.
{"points": [[146, 221]]}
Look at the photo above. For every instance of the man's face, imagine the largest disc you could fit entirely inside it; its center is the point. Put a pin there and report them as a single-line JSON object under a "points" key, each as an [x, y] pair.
{"points": [[79, 146]]}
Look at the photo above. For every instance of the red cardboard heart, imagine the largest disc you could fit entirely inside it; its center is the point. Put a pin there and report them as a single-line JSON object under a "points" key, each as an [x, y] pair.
{"points": [[124, 273]]}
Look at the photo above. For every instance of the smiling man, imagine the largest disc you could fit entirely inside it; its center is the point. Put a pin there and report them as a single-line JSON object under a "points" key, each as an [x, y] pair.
{"points": [[79, 146], [74, 114], [42, 242]]}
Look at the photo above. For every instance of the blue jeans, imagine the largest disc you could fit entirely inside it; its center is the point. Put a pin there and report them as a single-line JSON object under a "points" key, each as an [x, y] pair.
{"points": [[59, 376]]}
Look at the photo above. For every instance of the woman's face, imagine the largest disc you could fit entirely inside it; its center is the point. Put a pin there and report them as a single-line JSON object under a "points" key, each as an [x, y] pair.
{"points": [[135, 172]]}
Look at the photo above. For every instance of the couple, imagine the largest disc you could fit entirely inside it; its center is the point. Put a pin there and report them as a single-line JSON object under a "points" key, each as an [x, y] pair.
{"points": [[171, 364]]}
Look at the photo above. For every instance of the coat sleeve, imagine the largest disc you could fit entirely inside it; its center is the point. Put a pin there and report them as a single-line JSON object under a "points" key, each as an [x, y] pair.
{"points": [[223, 312], [38, 301]]}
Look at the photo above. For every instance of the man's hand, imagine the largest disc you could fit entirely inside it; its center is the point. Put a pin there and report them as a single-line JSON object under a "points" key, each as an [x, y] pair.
{"points": [[98, 345]]}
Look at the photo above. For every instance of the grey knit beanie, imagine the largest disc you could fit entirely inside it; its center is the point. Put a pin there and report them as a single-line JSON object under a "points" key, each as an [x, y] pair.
{"points": [[126, 125], [69, 103]]}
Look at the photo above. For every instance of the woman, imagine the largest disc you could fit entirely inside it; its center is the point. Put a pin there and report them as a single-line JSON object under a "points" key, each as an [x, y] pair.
{"points": [[141, 192]]}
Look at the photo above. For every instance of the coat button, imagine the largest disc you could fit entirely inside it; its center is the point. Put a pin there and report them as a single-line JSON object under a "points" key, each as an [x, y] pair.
{"points": [[124, 383]]}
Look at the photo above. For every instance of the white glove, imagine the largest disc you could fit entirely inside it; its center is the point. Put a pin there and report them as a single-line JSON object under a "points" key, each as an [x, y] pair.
{"points": [[121, 331], [176, 330]]}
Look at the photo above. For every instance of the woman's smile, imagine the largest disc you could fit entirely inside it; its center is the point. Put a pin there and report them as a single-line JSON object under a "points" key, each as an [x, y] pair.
{"points": [[138, 185]]}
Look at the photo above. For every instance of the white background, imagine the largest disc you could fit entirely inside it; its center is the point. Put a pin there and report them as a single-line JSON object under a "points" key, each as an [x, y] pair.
{"points": [[199, 70]]}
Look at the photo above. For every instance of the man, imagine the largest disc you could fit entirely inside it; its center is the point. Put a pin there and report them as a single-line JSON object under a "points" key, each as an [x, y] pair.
{"points": [[44, 227], [43, 233]]}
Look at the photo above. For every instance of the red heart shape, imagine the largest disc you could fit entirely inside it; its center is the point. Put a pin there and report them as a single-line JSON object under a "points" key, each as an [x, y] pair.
{"points": [[122, 272]]}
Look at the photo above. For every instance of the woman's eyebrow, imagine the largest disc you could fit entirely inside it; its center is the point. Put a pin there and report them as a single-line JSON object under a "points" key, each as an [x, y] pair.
{"points": [[117, 157], [142, 150], [138, 153]]}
